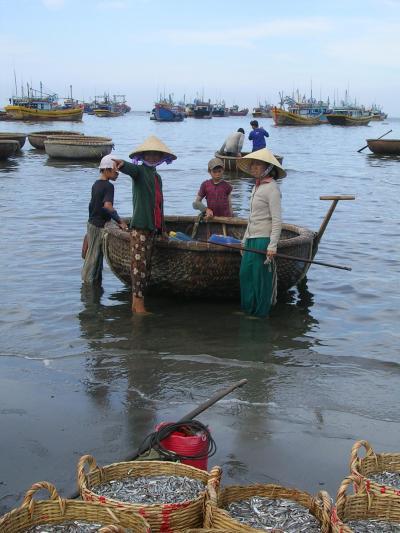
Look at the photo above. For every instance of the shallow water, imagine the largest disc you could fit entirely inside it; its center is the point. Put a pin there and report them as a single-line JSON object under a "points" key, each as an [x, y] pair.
{"points": [[80, 375]]}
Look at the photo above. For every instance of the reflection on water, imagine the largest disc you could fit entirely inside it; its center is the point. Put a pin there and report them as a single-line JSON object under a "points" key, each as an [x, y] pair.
{"points": [[79, 374]]}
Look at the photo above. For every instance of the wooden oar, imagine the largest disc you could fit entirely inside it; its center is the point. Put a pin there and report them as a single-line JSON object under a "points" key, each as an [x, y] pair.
{"points": [[332, 208], [189, 416], [366, 146], [283, 256]]}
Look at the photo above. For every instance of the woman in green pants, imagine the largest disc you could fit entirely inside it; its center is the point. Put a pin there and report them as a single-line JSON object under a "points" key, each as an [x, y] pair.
{"points": [[258, 280]]}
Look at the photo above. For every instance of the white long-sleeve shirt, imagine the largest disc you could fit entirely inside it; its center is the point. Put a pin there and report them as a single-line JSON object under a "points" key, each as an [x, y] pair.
{"points": [[233, 143], [265, 218]]}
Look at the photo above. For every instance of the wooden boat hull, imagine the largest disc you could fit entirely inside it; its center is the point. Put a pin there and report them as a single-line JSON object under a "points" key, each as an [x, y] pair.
{"points": [[67, 149], [8, 147], [25, 113], [230, 162], [20, 137], [345, 120], [37, 138], [107, 113], [384, 146], [262, 114], [202, 270], [285, 118]]}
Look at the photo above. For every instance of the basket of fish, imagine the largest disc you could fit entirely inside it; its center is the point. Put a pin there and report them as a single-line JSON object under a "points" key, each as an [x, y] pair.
{"points": [[269, 507], [170, 496], [58, 515], [376, 472], [366, 512]]}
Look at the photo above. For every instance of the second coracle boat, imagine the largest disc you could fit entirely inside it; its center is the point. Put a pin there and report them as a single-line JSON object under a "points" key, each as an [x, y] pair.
{"points": [[230, 162]]}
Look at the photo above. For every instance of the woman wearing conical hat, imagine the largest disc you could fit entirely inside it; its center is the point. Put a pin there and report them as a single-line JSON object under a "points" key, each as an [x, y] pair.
{"points": [[148, 210], [258, 275]]}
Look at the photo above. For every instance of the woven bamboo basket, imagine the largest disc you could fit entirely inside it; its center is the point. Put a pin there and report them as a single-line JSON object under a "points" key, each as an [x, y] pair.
{"points": [[55, 510], [366, 506], [372, 463], [37, 138], [216, 517], [161, 517], [20, 137]]}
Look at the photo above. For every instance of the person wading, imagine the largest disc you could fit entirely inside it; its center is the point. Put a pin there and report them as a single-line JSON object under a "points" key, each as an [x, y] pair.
{"points": [[258, 282], [101, 210], [216, 191], [148, 211]]}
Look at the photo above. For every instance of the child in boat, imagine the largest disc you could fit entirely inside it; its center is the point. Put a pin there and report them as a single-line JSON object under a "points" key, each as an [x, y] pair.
{"points": [[148, 211], [258, 281], [216, 191], [101, 210]]}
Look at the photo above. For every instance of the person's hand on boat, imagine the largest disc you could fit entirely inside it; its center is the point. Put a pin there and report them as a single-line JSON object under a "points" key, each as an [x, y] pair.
{"points": [[270, 254], [119, 163], [209, 213]]}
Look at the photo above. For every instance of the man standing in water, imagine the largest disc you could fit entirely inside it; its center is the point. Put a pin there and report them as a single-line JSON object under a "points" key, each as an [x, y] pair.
{"points": [[148, 211], [257, 136]]}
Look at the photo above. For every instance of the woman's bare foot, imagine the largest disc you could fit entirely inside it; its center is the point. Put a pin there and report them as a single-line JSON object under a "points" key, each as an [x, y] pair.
{"points": [[138, 306]]}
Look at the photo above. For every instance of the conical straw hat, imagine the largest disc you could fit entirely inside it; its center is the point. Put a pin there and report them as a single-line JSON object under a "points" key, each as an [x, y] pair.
{"points": [[260, 155], [152, 144]]}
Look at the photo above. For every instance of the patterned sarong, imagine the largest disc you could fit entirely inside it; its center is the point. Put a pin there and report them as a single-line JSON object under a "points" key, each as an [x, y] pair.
{"points": [[141, 251]]}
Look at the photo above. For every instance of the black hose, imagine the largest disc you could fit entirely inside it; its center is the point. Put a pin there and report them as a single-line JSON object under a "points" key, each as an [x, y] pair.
{"points": [[153, 441]]}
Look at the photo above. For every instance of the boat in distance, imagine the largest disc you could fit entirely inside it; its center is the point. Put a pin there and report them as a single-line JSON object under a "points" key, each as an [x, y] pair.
{"points": [[230, 162], [384, 146], [203, 270]]}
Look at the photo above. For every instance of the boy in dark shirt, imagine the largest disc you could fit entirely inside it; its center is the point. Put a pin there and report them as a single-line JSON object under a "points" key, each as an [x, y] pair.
{"points": [[257, 136], [101, 210]]}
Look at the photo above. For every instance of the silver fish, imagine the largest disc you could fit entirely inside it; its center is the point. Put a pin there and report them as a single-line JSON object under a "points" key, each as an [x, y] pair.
{"points": [[280, 515], [373, 526], [70, 526], [390, 479], [151, 489]]}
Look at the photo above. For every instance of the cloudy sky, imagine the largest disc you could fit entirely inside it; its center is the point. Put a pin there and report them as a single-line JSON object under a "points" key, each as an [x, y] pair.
{"points": [[238, 50]]}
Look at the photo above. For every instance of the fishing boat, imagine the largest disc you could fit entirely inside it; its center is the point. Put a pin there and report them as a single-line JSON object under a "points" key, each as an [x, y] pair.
{"points": [[202, 109], [37, 105], [384, 146], [349, 116], [262, 111], [78, 147], [230, 162], [301, 112], [8, 147], [166, 110], [234, 111], [219, 110], [107, 107], [5, 116], [377, 114], [37, 138]]}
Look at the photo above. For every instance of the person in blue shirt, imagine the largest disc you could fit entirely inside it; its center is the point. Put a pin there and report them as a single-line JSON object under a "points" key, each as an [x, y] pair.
{"points": [[257, 136]]}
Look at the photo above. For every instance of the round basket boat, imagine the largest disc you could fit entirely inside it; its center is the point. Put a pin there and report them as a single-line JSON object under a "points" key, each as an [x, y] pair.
{"points": [[203, 270], [37, 138], [384, 146], [217, 517], [385, 507], [230, 162], [89, 148], [8, 147], [57, 510], [20, 137], [161, 517], [373, 463]]}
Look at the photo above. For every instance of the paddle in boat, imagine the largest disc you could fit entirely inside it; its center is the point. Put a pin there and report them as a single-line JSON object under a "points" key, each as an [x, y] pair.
{"points": [[193, 268]]}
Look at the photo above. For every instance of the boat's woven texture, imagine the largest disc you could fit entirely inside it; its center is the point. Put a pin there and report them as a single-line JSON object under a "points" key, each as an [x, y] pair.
{"points": [[365, 506], [56, 510], [37, 138], [216, 517], [20, 137], [161, 517], [196, 269]]}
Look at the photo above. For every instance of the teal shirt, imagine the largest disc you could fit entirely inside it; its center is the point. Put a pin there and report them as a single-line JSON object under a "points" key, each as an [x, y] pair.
{"points": [[143, 195]]}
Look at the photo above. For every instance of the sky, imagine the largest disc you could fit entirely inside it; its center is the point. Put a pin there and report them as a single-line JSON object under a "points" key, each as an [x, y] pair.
{"points": [[240, 51]]}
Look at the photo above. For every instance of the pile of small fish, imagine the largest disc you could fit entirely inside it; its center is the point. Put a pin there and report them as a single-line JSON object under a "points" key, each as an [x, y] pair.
{"points": [[373, 526], [283, 516], [390, 479], [71, 526], [152, 489]]}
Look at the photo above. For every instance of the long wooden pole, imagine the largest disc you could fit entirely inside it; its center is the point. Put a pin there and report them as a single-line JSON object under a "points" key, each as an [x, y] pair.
{"points": [[329, 214], [366, 146], [283, 256]]}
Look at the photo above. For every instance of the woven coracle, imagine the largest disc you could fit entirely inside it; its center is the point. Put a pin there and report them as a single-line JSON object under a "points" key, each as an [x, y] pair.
{"points": [[202, 270], [56, 510], [78, 147], [37, 138], [161, 517], [8, 147], [20, 137], [372, 463], [216, 517], [230, 162], [366, 506]]}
